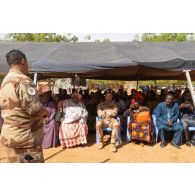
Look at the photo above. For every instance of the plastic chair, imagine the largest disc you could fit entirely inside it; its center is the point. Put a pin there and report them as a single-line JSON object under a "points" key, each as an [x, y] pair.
{"points": [[128, 136], [107, 129], [191, 128], [156, 128]]}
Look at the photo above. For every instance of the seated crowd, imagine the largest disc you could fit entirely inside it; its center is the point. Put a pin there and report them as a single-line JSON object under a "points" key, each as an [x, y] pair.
{"points": [[73, 115]]}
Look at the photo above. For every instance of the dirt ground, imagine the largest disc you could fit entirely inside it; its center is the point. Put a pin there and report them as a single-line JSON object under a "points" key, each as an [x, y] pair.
{"points": [[127, 153]]}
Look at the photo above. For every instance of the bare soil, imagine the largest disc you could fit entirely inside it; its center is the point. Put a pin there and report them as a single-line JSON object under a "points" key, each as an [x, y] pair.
{"points": [[127, 153]]}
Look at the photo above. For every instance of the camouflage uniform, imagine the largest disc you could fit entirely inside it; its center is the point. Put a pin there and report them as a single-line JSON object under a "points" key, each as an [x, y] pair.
{"points": [[107, 113], [22, 132]]}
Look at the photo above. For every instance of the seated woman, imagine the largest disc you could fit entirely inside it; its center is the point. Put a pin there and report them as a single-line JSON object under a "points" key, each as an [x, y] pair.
{"points": [[73, 129], [1, 121], [51, 128], [140, 125]]}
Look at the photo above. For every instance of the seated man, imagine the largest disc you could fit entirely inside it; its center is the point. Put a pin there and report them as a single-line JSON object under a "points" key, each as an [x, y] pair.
{"points": [[107, 112], [167, 114], [187, 116]]}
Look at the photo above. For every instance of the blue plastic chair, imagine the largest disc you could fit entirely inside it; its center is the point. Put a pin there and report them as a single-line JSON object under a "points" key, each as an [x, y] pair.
{"points": [[191, 128], [109, 130], [128, 136], [155, 127]]}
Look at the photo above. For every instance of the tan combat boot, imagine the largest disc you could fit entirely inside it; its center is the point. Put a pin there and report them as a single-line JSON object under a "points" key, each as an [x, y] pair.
{"points": [[100, 145], [113, 148]]}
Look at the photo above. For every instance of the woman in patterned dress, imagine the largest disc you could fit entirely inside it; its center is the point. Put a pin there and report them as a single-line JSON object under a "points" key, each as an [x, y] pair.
{"points": [[73, 129]]}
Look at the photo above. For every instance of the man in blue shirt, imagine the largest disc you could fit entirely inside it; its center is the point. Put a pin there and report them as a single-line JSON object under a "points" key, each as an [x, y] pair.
{"points": [[167, 114]]}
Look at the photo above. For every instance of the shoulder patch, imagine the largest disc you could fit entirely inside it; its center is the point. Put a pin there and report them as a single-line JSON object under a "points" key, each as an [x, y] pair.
{"points": [[31, 91]]}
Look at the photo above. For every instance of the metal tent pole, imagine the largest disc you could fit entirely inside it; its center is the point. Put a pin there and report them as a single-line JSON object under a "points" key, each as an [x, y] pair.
{"points": [[187, 72], [35, 78], [137, 84]]}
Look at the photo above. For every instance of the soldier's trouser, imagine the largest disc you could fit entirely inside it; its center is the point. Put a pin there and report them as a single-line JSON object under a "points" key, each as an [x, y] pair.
{"points": [[113, 124], [24, 155]]}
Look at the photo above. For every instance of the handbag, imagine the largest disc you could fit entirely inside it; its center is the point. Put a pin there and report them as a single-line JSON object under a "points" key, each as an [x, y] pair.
{"points": [[143, 116]]}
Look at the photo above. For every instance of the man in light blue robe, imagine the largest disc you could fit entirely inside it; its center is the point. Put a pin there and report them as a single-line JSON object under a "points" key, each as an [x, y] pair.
{"points": [[167, 115]]}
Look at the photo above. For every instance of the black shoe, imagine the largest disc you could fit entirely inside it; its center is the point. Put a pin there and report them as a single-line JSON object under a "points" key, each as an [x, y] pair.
{"points": [[82, 145], [162, 144], [188, 143], [175, 145], [192, 142]]}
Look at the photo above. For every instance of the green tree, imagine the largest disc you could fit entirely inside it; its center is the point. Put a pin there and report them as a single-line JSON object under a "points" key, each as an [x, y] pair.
{"points": [[41, 37], [106, 41], [97, 41], [87, 37], [136, 38], [167, 37], [105, 83]]}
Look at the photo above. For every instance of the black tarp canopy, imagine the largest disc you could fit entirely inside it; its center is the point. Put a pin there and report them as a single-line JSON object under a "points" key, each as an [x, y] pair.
{"points": [[113, 61]]}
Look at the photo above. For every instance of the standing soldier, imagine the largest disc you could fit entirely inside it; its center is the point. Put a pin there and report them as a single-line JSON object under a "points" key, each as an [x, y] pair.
{"points": [[22, 112]]}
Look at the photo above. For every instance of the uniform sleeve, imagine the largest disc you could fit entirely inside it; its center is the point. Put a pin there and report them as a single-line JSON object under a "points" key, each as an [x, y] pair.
{"points": [[28, 97]]}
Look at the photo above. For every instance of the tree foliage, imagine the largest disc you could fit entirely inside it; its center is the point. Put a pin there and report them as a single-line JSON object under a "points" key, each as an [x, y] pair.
{"points": [[104, 41], [163, 82], [167, 37], [104, 83], [88, 37], [97, 41], [41, 37]]}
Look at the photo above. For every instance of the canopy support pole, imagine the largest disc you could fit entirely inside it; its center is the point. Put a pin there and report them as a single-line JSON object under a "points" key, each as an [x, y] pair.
{"points": [[187, 72], [35, 78], [137, 84]]}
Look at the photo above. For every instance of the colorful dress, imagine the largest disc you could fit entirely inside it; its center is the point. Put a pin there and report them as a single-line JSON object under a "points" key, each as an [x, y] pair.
{"points": [[141, 131], [73, 129]]}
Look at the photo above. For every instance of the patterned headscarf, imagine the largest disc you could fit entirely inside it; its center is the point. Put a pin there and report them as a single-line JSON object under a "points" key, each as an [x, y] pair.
{"points": [[43, 88]]}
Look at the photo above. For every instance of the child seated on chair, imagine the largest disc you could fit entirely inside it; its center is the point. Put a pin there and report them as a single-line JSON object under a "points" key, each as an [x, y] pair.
{"points": [[107, 111]]}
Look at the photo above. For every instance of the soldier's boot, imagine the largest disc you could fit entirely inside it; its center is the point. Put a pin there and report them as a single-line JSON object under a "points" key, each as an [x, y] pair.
{"points": [[113, 147], [100, 145]]}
